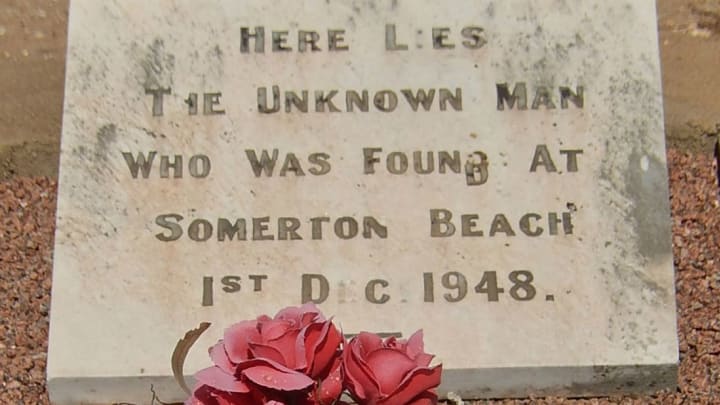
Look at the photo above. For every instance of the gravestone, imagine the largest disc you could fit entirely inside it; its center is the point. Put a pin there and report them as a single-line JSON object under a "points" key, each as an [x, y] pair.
{"points": [[492, 172]]}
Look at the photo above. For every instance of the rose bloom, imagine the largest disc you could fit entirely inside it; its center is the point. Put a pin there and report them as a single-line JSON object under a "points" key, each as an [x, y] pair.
{"points": [[293, 358], [390, 372]]}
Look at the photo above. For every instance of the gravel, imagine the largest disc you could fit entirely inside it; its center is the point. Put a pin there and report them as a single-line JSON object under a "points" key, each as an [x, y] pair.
{"points": [[27, 209]]}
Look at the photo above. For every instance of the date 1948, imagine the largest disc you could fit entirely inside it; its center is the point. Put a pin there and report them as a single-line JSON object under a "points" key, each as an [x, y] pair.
{"points": [[450, 287]]}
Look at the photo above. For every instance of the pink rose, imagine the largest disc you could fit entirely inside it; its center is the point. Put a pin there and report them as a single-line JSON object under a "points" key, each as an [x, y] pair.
{"points": [[291, 358], [393, 372]]}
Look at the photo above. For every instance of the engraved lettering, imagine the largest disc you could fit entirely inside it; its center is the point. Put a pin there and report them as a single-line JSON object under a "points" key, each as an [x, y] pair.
{"points": [[200, 230], [352, 99], [447, 97], [257, 281], [474, 37], [262, 100], [192, 103], [469, 222], [279, 41], [287, 229], [335, 40], [369, 159], [292, 99], [231, 284], [266, 163], [385, 100], [501, 224], [321, 161], [199, 166], [139, 164], [371, 291], [175, 229], [577, 97], [440, 225], [420, 98], [391, 39], [306, 38], [542, 158], [321, 100], [258, 36], [519, 96], [440, 38], [527, 228], [572, 164], [227, 230], [207, 295], [157, 109], [176, 166], [210, 100], [543, 98], [566, 221], [260, 226], [476, 169], [308, 281]]}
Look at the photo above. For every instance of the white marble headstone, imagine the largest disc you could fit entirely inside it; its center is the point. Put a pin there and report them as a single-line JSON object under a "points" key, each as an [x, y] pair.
{"points": [[491, 171]]}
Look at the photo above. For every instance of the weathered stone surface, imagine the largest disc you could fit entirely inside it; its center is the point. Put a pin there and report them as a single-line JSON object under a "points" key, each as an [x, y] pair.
{"points": [[567, 188]]}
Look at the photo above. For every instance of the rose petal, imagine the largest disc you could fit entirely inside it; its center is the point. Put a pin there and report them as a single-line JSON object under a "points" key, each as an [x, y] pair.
{"points": [[326, 350], [394, 343], [415, 344], [389, 367], [301, 352], [274, 329], [216, 378], [219, 357], [311, 313], [423, 359], [201, 396], [261, 351], [417, 381], [309, 339], [359, 377], [271, 377], [236, 339], [289, 313], [329, 389], [287, 345], [205, 395], [367, 342], [227, 398], [320, 346]]}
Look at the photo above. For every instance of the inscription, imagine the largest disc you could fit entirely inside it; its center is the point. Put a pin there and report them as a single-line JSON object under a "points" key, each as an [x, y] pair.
{"points": [[169, 166], [451, 287], [253, 40], [473, 166], [456, 286], [335, 101], [543, 97], [442, 225], [267, 229]]}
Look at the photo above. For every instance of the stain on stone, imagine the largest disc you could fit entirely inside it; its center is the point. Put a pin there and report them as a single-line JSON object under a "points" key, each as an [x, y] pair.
{"points": [[157, 65], [610, 380], [154, 134], [106, 136], [490, 10], [646, 185]]}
